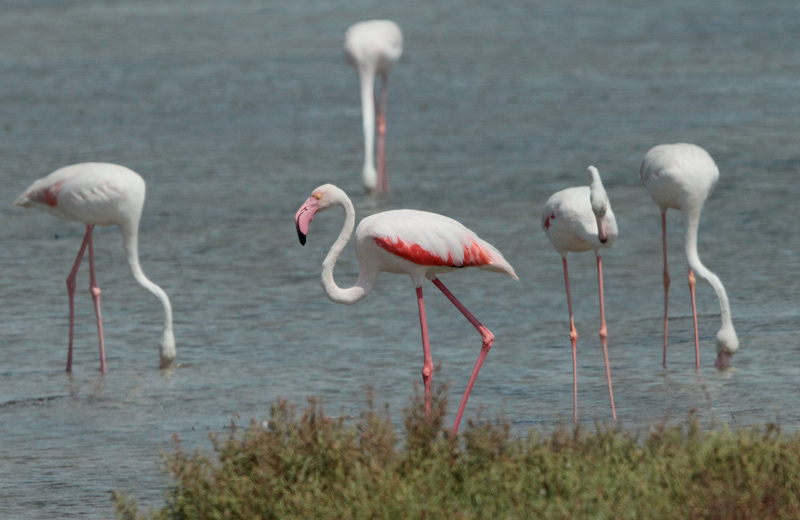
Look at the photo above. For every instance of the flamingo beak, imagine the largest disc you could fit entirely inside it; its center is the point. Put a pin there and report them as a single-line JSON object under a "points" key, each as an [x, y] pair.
{"points": [[723, 360], [304, 216], [602, 229]]}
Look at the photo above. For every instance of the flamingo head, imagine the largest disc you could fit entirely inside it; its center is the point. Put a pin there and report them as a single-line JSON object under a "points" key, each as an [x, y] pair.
{"points": [[321, 199], [727, 345], [600, 204], [167, 352]]}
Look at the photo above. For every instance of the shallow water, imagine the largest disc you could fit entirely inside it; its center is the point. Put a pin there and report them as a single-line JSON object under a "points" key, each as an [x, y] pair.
{"points": [[233, 111]]}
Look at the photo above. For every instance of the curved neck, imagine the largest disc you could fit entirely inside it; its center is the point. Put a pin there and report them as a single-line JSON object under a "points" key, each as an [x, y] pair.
{"points": [[366, 280], [130, 243], [367, 77], [692, 223]]}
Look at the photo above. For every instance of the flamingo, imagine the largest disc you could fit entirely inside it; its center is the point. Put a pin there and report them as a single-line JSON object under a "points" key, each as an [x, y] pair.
{"points": [[580, 219], [372, 47], [417, 243], [99, 194], [682, 176]]}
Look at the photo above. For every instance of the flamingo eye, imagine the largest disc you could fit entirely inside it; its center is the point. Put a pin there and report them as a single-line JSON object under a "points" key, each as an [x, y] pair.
{"points": [[317, 196]]}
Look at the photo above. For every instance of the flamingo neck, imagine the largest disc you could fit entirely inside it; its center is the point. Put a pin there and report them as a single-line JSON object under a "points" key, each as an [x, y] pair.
{"points": [[692, 224], [130, 243], [366, 280], [368, 113]]}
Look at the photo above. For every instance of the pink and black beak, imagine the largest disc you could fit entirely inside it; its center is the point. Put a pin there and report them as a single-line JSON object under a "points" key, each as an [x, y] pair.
{"points": [[723, 359], [304, 216], [602, 229]]}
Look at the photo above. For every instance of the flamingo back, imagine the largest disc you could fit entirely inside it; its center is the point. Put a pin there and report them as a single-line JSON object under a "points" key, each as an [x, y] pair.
{"points": [[432, 241]]}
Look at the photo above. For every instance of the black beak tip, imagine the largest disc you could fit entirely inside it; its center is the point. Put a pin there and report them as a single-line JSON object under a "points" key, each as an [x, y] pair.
{"points": [[302, 237], [603, 240]]}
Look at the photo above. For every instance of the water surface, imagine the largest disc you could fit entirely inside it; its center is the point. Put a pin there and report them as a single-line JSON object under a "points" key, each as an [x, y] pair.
{"points": [[233, 111]]}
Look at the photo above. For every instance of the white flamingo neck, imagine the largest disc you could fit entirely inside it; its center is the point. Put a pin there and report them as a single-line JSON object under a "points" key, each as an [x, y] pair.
{"points": [[365, 283], [597, 192], [130, 243], [367, 75], [692, 223]]}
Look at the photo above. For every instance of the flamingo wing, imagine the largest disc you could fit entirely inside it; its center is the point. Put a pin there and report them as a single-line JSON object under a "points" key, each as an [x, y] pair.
{"points": [[94, 193], [433, 240]]}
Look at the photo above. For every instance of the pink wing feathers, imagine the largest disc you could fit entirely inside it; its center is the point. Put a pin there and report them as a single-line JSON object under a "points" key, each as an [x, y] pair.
{"points": [[432, 239]]}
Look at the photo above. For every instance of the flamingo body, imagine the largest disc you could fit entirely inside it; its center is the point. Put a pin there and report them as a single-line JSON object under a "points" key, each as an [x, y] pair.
{"points": [[682, 176], [576, 220], [679, 176], [372, 47], [569, 223], [425, 244], [92, 193], [420, 244], [100, 194]]}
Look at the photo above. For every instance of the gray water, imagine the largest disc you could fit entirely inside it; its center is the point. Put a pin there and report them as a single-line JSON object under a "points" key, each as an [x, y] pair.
{"points": [[233, 111]]}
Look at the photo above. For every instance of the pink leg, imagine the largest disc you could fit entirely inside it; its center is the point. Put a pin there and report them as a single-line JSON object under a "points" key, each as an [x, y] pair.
{"points": [[383, 181], [692, 283], [427, 366], [95, 290], [604, 336], [71, 291], [666, 282], [573, 336], [487, 338]]}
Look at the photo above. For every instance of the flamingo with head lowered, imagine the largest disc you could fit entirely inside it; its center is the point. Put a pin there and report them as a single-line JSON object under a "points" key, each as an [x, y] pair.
{"points": [[580, 219], [417, 243], [682, 176], [372, 47], [104, 195]]}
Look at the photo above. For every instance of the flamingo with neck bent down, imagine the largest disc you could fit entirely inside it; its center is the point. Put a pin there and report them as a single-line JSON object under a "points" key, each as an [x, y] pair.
{"points": [[682, 176], [372, 47], [417, 243], [100, 194]]}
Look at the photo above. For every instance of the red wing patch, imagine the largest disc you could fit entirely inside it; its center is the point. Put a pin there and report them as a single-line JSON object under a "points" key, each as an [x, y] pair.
{"points": [[547, 221], [48, 195], [474, 255]]}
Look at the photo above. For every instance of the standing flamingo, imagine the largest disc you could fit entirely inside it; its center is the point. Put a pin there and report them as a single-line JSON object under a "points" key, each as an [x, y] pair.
{"points": [[417, 243], [580, 219], [682, 176], [99, 194], [372, 47]]}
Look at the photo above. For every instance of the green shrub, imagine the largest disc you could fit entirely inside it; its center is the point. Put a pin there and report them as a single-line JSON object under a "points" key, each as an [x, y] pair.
{"points": [[309, 465]]}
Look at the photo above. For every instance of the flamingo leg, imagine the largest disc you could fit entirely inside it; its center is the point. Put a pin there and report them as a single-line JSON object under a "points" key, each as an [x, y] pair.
{"points": [[487, 340], [604, 336], [692, 283], [95, 290], [666, 281], [383, 181], [573, 336], [427, 366], [71, 291]]}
